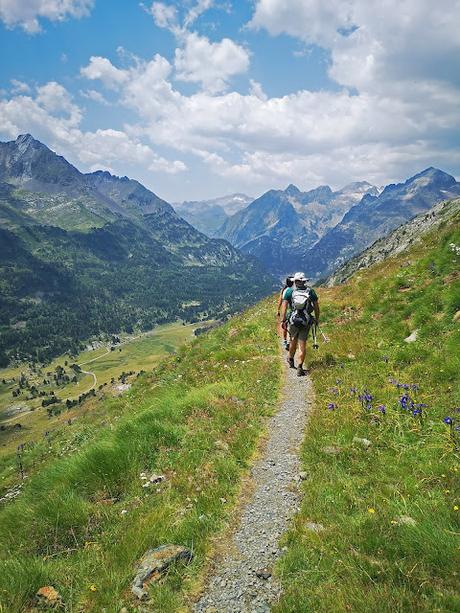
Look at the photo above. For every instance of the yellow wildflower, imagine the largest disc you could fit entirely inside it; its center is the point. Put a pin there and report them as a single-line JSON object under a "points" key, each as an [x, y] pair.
{"points": [[371, 510]]}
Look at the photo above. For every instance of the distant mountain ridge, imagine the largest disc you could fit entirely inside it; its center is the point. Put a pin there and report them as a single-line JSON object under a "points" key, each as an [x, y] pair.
{"points": [[376, 216], [88, 253], [209, 215], [398, 240], [276, 226]]}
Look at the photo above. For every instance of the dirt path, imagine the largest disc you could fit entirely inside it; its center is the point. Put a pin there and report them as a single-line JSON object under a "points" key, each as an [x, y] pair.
{"points": [[235, 585]]}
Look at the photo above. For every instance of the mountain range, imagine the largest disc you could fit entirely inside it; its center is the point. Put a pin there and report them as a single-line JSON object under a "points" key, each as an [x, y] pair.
{"points": [[83, 254], [276, 227], [317, 231], [209, 215], [443, 213], [377, 215]]}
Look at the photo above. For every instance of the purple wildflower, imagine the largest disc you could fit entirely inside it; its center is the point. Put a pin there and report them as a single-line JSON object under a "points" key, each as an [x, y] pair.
{"points": [[331, 406], [382, 409]]}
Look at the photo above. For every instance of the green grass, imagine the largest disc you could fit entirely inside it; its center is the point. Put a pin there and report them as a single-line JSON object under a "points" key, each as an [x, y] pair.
{"points": [[367, 558], [197, 420]]}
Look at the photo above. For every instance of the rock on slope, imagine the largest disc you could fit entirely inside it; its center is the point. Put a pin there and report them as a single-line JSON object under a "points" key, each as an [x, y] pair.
{"points": [[399, 240]]}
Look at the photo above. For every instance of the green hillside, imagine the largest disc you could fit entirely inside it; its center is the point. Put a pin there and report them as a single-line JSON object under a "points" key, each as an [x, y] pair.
{"points": [[382, 466], [196, 420]]}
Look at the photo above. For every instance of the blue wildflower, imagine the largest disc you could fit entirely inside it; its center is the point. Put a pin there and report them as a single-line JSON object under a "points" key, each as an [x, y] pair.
{"points": [[448, 421], [382, 409], [331, 406]]}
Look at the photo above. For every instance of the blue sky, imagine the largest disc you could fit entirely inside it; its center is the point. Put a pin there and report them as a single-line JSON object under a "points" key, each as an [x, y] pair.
{"points": [[200, 98]]}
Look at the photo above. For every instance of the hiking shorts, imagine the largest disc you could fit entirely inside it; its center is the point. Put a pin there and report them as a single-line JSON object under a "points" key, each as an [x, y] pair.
{"points": [[299, 332]]}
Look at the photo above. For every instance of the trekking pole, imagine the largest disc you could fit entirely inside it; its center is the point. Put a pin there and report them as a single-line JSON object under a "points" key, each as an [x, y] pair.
{"points": [[313, 333], [326, 338]]}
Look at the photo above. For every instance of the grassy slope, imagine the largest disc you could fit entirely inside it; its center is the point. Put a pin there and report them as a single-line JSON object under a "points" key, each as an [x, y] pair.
{"points": [[367, 558], [138, 354], [196, 419]]}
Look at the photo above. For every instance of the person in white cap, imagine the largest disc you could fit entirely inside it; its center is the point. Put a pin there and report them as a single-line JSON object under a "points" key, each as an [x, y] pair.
{"points": [[304, 302]]}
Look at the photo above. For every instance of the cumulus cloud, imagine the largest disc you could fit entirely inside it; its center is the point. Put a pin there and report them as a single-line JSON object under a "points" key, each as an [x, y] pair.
{"points": [[310, 137], [200, 7], [53, 117], [211, 64], [373, 49], [27, 13], [19, 87], [395, 112], [95, 96], [102, 68], [164, 15]]}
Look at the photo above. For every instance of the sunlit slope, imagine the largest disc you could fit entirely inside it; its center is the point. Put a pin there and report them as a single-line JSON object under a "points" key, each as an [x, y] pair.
{"points": [[83, 521], [379, 528]]}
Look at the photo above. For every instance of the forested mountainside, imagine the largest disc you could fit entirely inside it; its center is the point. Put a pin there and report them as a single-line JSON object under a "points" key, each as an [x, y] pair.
{"points": [[85, 254]]}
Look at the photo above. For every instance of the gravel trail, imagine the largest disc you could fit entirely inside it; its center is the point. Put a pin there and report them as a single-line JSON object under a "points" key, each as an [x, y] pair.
{"points": [[242, 581]]}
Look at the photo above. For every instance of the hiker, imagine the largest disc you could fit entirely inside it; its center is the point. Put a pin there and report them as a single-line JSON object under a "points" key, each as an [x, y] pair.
{"points": [[304, 302], [284, 327]]}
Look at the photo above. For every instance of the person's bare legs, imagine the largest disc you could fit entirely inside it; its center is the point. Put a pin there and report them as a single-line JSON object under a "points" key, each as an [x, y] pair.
{"points": [[292, 347], [302, 352]]}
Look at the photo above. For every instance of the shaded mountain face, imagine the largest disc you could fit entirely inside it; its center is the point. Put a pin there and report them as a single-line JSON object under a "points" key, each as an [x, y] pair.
{"points": [[281, 224], [209, 215], [88, 253], [398, 240], [375, 216]]}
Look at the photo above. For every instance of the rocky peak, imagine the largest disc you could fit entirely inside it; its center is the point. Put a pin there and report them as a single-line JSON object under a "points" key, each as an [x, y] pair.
{"points": [[292, 190]]}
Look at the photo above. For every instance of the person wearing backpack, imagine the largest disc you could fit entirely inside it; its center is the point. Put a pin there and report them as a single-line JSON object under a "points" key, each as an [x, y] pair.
{"points": [[284, 327], [305, 312]]}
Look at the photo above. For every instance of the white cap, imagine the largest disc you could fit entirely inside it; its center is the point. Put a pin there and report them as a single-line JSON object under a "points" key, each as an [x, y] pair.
{"points": [[300, 276]]}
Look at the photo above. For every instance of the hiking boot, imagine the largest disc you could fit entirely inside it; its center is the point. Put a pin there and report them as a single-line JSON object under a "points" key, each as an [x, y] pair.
{"points": [[301, 372], [290, 361]]}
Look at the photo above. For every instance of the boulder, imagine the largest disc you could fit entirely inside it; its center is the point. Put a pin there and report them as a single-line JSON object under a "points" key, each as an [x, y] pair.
{"points": [[364, 442], [313, 527], [154, 563], [49, 598], [412, 337]]}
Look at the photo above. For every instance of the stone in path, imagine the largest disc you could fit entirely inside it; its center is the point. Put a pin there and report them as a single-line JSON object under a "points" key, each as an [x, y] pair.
{"points": [[243, 580]]}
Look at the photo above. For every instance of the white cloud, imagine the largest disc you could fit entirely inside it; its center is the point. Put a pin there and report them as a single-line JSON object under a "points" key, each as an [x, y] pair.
{"points": [[52, 116], [211, 64], [302, 137], [95, 96], [19, 87], [164, 15], [200, 7], [27, 13], [102, 68], [373, 49]]}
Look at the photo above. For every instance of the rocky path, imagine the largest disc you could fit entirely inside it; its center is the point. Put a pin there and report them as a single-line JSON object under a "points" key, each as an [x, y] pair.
{"points": [[242, 581]]}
